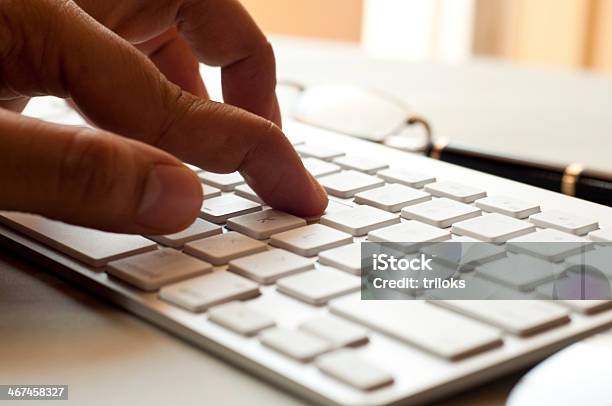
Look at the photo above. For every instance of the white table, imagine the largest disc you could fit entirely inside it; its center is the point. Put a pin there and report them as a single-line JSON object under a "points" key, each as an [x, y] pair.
{"points": [[54, 333]]}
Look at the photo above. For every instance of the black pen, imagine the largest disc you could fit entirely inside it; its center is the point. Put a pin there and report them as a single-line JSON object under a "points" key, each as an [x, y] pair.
{"points": [[574, 179]]}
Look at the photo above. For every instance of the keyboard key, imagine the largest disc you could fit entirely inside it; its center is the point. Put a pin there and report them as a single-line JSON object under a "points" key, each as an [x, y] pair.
{"points": [[405, 177], [508, 206], [519, 317], [248, 193], [348, 367], [600, 259], [199, 229], [152, 270], [220, 249], [359, 220], [464, 253], [317, 167], [210, 191], [346, 258], [348, 183], [319, 152], [455, 191], [421, 324], [92, 247], [602, 235], [409, 231], [239, 318], [549, 244], [521, 272], [360, 164], [198, 294], [219, 209], [570, 223], [333, 206], [310, 240], [549, 290], [261, 225], [392, 197], [337, 331], [494, 228], [192, 167], [268, 266], [224, 181], [319, 286], [440, 212], [296, 344]]}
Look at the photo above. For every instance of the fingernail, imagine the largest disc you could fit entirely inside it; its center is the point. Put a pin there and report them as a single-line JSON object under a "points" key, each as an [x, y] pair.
{"points": [[172, 198]]}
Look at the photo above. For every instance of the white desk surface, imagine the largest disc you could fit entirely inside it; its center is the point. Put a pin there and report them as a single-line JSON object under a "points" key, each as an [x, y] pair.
{"points": [[51, 332]]}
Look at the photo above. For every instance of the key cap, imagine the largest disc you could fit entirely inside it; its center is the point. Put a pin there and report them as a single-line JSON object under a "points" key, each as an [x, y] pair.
{"points": [[570, 223], [348, 367], [602, 235], [318, 286], [224, 181], [455, 191], [296, 344], [219, 209], [411, 232], [508, 206], [310, 240], [210, 191], [464, 253], [495, 228], [248, 193], [519, 317], [92, 247], [346, 258], [152, 270], [317, 167], [199, 229], [333, 206], [268, 266], [261, 225], [361, 164], [600, 259], [392, 197], [319, 152], [475, 288], [421, 324], [405, 177], [198, 294], [585, 306], [549, 244], [360, 220], [240, 318], [521, 272], [337, 331], [441, 212], [192, 167], [220, 249], [348, 183]]}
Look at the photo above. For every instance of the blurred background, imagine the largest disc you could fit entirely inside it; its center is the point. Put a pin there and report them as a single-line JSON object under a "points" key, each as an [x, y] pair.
{"points": [[573, 34]]}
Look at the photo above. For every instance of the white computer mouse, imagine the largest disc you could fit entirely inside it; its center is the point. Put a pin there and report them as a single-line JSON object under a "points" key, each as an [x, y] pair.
{"points": [[580, 375]]}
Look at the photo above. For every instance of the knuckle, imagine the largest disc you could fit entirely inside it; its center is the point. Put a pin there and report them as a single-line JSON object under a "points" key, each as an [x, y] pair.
{"points": [[90, 168], [29, 43]]}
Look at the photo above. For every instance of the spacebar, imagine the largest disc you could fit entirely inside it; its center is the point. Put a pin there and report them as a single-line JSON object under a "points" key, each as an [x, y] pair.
{"points": [[92, 247], [421, 324]]}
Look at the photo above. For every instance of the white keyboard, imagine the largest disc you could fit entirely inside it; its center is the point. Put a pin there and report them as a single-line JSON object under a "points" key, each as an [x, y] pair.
{"points": [[279, 295]]}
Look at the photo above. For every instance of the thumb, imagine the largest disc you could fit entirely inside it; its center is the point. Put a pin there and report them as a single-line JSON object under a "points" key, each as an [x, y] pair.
{"points": [[93, 178]]}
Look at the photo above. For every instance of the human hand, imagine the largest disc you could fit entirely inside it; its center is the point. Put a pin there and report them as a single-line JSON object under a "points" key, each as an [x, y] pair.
{"points": [[108, 57]]}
